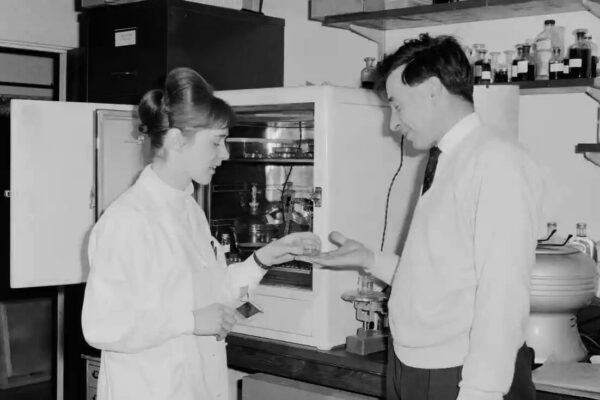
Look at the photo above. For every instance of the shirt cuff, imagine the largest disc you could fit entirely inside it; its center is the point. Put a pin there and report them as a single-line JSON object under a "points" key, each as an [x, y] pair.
{"points": [[184, 321], [384, 266], [474, 394]]}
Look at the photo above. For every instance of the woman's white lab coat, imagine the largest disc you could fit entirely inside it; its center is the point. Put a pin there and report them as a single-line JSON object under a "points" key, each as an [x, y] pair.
{"points": [[151, 263]]}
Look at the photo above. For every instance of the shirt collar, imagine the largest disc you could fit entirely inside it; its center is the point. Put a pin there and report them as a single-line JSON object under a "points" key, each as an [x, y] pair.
{"points": [[458, 132], [152, 181]]}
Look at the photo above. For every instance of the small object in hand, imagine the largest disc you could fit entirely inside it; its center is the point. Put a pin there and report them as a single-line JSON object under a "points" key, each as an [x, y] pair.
{"points": [[310, 249], [248, 309]]}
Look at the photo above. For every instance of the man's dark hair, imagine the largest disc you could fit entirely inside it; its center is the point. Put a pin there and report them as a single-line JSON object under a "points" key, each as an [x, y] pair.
{"points": [[439, 56]]}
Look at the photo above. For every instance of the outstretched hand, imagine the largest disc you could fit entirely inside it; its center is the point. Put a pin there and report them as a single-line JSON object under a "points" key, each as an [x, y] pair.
{"points": [[350, 253], [289, 248]]}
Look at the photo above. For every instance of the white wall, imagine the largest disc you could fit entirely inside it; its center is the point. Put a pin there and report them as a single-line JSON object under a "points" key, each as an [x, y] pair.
{"points": [[45, 22], [549, 125], [315, 53]]}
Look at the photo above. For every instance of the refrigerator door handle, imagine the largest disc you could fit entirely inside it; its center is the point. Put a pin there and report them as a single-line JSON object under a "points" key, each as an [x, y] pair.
{"points": [[316, 196], [92, 199]]}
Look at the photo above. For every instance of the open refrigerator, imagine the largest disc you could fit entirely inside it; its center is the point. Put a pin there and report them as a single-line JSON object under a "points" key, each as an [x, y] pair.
{"points": [[316, 158]]}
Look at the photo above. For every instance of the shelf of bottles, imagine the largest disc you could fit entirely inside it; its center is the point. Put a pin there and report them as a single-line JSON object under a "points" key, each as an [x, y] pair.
{"points": [[454, 12], [265, 190]]}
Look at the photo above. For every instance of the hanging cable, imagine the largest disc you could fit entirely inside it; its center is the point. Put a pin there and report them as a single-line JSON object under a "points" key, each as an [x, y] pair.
{"points": [[387, 200]]}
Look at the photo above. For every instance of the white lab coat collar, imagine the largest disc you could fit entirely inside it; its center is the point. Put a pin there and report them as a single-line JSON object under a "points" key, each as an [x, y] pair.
{"points": [[164, 193], [458, 132]]}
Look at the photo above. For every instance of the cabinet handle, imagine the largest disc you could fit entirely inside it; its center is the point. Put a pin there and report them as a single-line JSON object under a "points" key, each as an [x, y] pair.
{"points": [[124, 73]]}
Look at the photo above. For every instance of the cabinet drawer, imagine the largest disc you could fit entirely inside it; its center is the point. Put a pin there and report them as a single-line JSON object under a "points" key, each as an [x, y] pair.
{"points": [[126, 50]]}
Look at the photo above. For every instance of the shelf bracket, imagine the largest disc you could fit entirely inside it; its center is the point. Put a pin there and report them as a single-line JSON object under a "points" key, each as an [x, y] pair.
{"points": [[591, 151], [592, 6], [373, 35]]}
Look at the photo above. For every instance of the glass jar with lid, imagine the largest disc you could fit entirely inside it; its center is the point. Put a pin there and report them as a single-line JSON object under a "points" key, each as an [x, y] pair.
{"points": [[580, 56], [515, 64], [527, 64], [556, 67], [367, 75]]}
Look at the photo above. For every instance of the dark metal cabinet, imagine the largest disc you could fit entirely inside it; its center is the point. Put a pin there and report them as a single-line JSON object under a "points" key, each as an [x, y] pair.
{"points": [[131, 47]]}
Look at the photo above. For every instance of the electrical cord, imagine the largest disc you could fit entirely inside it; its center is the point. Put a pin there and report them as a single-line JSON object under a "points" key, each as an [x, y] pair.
{"points": [[389, 192]]}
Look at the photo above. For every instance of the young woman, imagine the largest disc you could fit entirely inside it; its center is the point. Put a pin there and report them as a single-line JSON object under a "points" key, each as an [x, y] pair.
{"points": [[159, 298]]}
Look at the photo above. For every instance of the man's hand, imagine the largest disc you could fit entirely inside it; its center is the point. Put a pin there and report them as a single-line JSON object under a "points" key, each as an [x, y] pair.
{"points": [[350, 253]]}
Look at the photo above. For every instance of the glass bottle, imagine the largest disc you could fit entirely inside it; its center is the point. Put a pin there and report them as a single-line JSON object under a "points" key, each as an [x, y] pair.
{"points": [[580, 56], [508, 60], [515, 64], [483, 68], [594, 59], [495, 64], [367, 75], [529, 73], [543, 41], [555, 238], [477, 48], [486, 68], [555, 70], [583, 243]]}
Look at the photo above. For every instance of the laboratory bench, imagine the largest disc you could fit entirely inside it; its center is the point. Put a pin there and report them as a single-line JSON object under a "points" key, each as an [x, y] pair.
{"points": [[339, 369]]}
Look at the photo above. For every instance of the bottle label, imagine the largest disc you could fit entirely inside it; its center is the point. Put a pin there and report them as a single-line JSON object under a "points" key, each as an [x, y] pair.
{"points": [[566, 69], [514, 71], [226, 248], [575, 63], [478, 70], [522, 66], [556, 67], [486, 75]]}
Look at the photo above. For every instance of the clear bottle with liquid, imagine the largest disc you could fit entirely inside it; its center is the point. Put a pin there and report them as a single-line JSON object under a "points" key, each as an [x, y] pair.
{"points": [[583, 243], [509, 56], [555, 69], [580, 56], [367, 75], [543, 50]]}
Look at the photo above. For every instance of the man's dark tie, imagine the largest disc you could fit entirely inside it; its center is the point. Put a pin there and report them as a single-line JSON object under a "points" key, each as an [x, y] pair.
{"points": [[434, 153]]}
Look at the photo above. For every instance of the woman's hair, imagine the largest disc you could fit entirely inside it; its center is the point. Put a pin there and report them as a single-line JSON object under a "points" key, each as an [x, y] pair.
{"points": [[439, 56], [187, 101]]}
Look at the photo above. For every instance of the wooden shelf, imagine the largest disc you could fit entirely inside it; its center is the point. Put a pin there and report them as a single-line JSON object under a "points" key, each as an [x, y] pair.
{"points": [[452, 13], [562, 86]]}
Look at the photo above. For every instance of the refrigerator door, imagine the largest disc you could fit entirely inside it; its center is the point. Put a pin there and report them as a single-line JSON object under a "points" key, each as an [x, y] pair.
{"points": [[121, 154], [51, 197]]}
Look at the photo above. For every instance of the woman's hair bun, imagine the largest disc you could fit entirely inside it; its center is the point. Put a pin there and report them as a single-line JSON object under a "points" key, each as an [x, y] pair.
{"points": [[152, 114]]}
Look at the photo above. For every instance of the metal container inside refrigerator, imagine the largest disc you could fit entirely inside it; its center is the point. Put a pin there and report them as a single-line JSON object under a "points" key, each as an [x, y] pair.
{"points": [[315, 158]]}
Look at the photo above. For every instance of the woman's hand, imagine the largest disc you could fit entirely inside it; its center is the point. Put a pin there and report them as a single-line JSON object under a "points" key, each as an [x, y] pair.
{"points": [[350, 253], [215, 319], [288, 247]]}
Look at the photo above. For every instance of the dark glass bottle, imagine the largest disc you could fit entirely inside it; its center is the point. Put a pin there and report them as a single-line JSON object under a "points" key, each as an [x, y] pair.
{"points": [[515, 64], [486, 68], [478, 66], [367, 75], [529, 73], [580, 56]]}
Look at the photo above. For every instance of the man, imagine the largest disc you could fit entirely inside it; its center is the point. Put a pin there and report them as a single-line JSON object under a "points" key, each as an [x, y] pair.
{"points": [[460, 290]]}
